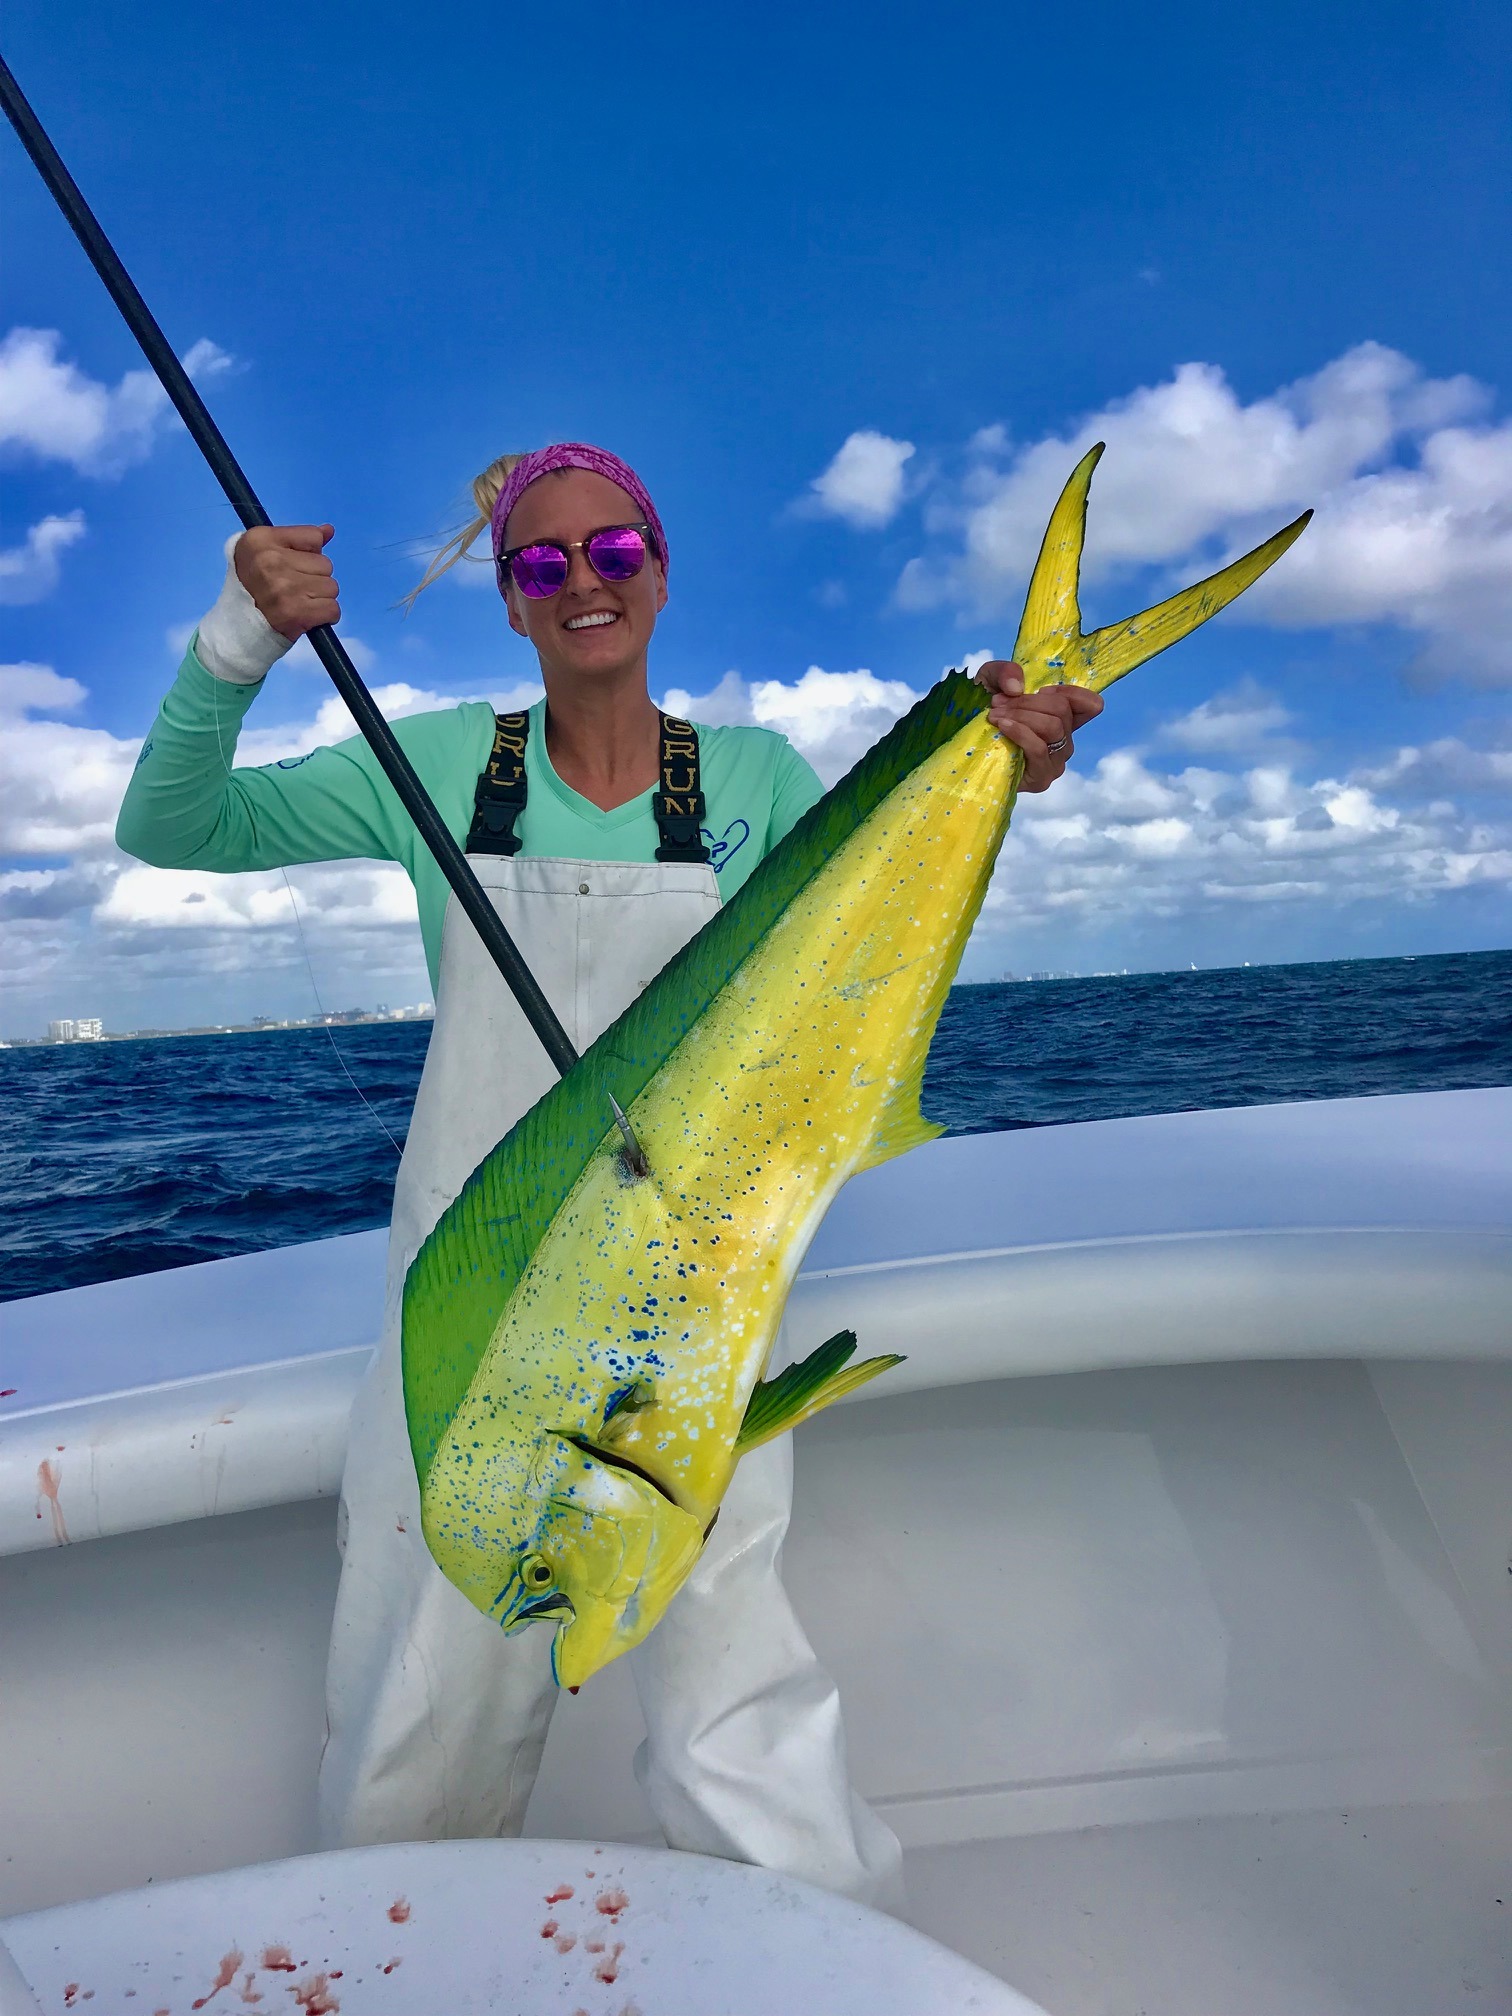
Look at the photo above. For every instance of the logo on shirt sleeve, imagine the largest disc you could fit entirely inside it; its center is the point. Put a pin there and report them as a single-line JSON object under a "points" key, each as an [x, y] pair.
{"points": [[723, 850]]}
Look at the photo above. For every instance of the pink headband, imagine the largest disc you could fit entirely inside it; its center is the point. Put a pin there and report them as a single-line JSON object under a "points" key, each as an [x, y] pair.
{"points": [[575, 455]]}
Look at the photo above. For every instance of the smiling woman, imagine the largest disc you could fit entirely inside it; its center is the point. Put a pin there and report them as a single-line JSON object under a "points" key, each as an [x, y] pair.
{"points": [[606, 834]]}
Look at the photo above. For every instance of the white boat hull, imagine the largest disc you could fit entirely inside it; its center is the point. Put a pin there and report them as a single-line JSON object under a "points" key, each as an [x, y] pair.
{"points": [[1227, 1607]]}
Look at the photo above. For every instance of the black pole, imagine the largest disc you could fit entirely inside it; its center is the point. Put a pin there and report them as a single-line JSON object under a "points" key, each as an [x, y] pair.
{"points": [[329, 649]]}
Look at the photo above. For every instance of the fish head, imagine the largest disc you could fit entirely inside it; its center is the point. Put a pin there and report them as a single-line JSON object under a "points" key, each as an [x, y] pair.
{"points": [[608, 1554]]}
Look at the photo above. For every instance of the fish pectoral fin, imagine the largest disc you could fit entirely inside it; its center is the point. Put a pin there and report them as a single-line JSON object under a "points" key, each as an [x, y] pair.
{"points": [[801, 1390], [1050, 644]]}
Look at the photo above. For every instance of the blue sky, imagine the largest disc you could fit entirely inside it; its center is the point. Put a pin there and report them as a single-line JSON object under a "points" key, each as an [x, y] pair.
{"points": [[851, 288]]}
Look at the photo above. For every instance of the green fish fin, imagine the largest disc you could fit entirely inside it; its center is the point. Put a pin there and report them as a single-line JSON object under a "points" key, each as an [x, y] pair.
{"points": [[1050, 645], [801, 1390]]}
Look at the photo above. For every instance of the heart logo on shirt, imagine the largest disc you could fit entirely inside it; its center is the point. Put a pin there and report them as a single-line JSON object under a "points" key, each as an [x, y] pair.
{"points": [[727, 845]]}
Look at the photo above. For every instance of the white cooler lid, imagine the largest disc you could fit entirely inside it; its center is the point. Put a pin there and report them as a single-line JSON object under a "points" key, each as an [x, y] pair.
{"points": [[517, 1928]]}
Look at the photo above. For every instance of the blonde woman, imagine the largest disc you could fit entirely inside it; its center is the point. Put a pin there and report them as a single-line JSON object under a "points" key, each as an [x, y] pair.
{"points": [[606, 834]]}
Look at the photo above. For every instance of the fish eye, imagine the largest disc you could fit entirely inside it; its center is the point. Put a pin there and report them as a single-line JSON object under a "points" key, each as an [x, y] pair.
{"points": [[535, 1572]]}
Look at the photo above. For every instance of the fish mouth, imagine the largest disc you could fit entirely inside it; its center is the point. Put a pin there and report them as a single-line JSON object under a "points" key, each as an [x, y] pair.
{"points": [[615, 1461], [554, 1605]]}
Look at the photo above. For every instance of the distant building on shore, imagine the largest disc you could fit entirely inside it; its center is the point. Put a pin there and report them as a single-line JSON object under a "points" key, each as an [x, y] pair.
{"points": [[81, 1029], [91, 1028]]}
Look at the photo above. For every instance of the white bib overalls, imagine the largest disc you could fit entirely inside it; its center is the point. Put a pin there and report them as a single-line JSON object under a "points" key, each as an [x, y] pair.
{"points": [[436, 1720]]}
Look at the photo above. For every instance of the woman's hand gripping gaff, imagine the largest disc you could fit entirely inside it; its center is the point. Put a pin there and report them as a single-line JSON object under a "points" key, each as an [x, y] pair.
{"points": [[285, 571]]}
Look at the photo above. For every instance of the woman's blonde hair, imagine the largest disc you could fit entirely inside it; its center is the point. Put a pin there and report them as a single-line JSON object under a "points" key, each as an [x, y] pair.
{"points": [[486, 486]]}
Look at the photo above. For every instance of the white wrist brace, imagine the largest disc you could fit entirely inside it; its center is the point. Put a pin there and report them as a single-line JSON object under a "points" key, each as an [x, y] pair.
{"points": [[236, 642]]}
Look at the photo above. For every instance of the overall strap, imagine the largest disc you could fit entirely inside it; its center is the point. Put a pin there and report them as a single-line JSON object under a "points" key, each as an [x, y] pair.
{"points": [[500, 797], [678, 805]]}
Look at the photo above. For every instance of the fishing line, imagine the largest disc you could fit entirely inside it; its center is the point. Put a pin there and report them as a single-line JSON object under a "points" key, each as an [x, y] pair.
{"points": [[335, 1048], [304, 948]]}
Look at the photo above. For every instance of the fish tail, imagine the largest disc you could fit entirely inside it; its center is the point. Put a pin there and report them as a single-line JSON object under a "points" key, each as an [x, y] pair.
{"points": [[1050, 644]]}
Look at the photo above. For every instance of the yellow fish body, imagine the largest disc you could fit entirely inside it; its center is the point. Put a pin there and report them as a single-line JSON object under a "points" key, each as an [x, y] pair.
{"points": [[583, 1345]]}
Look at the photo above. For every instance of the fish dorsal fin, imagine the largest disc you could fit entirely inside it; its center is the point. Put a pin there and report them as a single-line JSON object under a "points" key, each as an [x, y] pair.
{"points": [[1050, 645], [801, 1390]]}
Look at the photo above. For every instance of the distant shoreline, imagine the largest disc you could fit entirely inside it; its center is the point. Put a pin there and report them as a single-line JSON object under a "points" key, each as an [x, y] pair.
{"points": [[349, 1018], [263, 1025]]}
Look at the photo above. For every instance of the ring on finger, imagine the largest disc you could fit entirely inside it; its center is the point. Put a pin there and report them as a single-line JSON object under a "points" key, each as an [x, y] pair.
{"points": [[1054, 748]]}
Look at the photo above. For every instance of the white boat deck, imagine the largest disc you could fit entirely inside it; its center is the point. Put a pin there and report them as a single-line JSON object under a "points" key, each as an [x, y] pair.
{"points": [[1166, 1585]]}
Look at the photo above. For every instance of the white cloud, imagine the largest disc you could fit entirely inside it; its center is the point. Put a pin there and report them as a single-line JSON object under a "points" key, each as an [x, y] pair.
{"points": [[864, 483], [1446, 765], [60, 784], [30, 571], [332, 896], [1232, 722], [37, 689], [331, 721], [46, 892], [1412, 486], [1428, 548], [1121, 843], [53, 411], [1140, 839], [832, 718], [1127, 841], [204, 359], [81, 922]]}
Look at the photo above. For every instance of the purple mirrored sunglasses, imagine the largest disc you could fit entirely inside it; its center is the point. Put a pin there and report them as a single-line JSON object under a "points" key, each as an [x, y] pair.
{"points": [[539, 570]]}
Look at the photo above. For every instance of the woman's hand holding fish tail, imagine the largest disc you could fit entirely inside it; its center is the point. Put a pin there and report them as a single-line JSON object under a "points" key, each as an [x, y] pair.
{"points": [[1042, 724]]}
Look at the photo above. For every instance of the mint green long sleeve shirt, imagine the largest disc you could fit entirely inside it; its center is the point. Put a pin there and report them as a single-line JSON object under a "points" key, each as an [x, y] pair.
{"points": [[188, 807]]}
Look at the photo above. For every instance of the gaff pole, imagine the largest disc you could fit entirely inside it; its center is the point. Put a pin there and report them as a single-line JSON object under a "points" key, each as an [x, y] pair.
{"points": [[329, 648]]}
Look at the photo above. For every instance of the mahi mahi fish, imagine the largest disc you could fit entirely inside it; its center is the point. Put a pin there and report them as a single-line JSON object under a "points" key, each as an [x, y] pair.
{"points": [[584, 1344]]}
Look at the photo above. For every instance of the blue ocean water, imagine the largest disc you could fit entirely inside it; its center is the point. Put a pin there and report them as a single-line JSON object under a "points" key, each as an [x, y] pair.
{"points": [[119, 1158]]}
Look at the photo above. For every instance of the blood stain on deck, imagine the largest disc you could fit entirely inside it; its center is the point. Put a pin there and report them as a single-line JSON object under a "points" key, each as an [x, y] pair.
{"points": [[278, 1960], [49, 1478], [315, 1998], [224, 1977], [399, 1911]]}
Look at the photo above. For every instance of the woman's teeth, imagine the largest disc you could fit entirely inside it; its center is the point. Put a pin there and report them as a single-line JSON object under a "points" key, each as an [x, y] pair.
{"points": [[593, 622]]}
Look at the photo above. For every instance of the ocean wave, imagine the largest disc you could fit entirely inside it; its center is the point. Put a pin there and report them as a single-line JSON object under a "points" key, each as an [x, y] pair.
{"points": [[125, 1158]]}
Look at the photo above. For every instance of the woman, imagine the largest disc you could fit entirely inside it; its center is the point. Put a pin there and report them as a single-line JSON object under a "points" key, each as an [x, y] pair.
{"points": [[591, 822]]}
